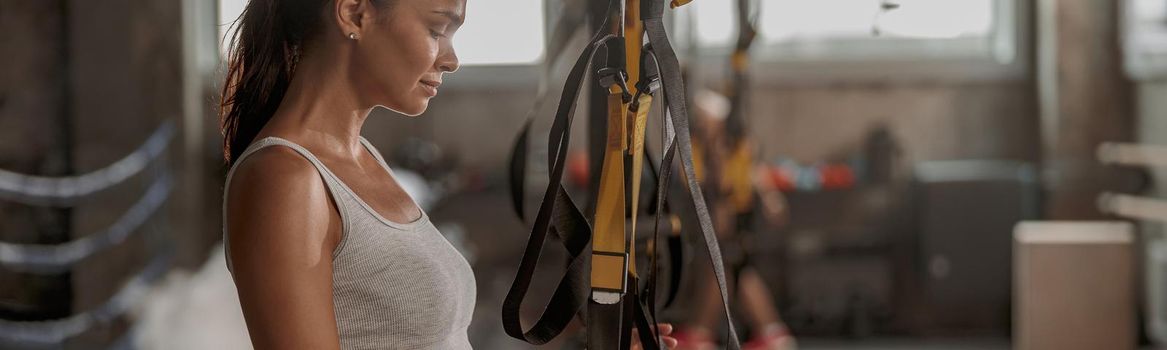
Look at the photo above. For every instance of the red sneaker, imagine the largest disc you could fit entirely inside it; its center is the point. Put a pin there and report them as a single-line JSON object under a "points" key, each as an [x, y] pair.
{"points": [[694, 339], [774, 337]]}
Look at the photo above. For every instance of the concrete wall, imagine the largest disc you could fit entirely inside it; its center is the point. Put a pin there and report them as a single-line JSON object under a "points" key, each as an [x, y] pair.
{"points": [[810, 123], [32, 128], [1151, 120], [1086, 100], [478, 125], [126, 81], [83, 84], [932, 122]]}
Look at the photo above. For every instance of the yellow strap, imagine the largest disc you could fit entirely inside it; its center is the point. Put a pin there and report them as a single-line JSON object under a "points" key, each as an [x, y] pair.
{"points": [[609, 254], [643, 105], [738, 174], [679, 3], [633, 40], [739, 61]]}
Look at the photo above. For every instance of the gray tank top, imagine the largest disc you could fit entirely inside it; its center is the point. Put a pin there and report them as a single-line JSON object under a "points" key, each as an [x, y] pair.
{"points": [[395, 285]]}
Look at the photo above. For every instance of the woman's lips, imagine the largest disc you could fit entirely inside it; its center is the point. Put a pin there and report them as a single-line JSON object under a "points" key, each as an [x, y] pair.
{"points": [[430, 87]]}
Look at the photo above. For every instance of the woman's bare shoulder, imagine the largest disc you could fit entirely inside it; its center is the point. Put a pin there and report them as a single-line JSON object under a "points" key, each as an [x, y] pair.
{"points": [[278, 201], [280, 245], [275, 166]]}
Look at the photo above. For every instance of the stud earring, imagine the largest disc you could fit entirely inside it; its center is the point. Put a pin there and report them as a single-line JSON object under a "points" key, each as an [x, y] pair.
{"points": [[352, 36]]}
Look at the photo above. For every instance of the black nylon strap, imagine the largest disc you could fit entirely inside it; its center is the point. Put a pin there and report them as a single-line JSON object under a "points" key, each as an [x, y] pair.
{"points": [[676, 248], [652, 12], [629, 313], [628, 320], [646, 315], [571, 293], [599, 316], [607, 329], [567, 23], [676, 261], [558, 213], [518, 171], [649, 337]]}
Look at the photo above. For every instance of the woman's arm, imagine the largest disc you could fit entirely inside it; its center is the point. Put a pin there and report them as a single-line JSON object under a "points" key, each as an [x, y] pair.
{"points": [[281, 231]]}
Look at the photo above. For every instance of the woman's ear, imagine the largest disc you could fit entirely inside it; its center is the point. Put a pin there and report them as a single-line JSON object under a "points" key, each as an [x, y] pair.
{"points": [[351, 16]]}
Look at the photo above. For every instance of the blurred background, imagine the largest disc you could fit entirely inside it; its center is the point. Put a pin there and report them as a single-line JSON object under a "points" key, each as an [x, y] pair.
{"points": [[952, 174]]}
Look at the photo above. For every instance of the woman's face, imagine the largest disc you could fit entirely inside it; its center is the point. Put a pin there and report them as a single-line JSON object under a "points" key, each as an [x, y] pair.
{"points": [[400, 56]]}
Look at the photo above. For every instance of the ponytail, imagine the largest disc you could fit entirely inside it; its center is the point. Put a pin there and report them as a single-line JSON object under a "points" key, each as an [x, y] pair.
{"points": [[265, 47], [268, 42]]}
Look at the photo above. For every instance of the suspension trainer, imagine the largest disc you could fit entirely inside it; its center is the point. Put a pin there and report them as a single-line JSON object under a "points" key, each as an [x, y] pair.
{"points": [[601, 272]]}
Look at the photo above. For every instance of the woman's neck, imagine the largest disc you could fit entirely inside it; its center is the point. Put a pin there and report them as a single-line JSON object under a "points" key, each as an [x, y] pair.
{"points": [[320, 108]]}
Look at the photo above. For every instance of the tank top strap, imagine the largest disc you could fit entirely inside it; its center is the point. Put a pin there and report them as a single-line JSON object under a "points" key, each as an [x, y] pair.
{"points": [[331, 182], [330, 179], [377, 154]]}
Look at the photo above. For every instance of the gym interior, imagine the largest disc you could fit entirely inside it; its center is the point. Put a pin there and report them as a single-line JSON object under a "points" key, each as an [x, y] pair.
{"points": [[876, 174]]}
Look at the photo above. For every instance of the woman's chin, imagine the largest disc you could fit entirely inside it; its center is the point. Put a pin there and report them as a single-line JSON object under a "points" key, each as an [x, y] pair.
{"points": [[421, 107], [412, 110]]}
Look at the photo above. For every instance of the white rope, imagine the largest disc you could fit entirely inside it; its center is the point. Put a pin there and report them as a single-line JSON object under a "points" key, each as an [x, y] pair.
{"points": [[48, 259], [56, 332], [1134, 207], [48, 189], [1132, 154]]}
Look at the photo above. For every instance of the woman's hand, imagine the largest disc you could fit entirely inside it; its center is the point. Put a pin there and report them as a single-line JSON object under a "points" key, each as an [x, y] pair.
{"points": [[664, 328]]}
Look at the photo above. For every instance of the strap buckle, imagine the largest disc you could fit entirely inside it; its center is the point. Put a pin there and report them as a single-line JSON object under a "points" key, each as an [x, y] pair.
{"points": [[609, 282], [648, 84], [650, 78], [615, 76]]}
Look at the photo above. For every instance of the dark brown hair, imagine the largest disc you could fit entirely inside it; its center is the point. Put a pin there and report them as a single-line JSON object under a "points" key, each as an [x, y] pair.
{"points": [[269, 39]]}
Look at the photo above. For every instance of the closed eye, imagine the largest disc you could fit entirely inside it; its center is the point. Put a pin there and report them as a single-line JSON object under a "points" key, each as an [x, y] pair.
{"points": [[449, 22], [454, 18]]}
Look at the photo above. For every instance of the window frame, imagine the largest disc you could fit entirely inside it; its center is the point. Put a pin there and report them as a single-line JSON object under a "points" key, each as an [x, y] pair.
{"points": [[468, 77], [1144, 46], [1004, 55]]}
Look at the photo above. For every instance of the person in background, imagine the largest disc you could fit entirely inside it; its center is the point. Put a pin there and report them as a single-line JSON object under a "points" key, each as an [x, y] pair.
{"points": [[730, 220]]}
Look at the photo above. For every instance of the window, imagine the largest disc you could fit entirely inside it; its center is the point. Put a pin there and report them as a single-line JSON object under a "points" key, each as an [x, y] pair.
{"points": [[1145, 38], [229, 11], [783, 21], [878, 33], [494, 33], [498, 32]]}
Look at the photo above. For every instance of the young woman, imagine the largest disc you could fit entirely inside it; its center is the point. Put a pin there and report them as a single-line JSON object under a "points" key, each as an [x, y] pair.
{"points": [[326, 249]]}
